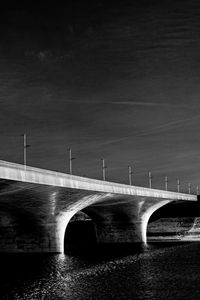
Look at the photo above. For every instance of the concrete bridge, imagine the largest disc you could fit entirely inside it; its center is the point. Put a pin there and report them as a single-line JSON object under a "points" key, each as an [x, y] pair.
{"points": [[36, 206]]}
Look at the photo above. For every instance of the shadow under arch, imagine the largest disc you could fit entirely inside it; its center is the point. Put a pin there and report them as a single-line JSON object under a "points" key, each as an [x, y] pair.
{"points": [[117, 220], [174, 221], [18, 229], [80, 233]]}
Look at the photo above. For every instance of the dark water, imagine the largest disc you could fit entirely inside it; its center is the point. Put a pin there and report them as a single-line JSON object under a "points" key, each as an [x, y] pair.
{"points": [[160, 272]]}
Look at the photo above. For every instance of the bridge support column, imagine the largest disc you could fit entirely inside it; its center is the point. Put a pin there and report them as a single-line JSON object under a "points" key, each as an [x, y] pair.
{"points": [[123, 222], [120, 232], [25, 233], [18, 237]]}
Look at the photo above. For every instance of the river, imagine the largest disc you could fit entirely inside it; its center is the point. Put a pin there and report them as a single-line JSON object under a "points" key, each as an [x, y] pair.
{"points": [[161, 271]]}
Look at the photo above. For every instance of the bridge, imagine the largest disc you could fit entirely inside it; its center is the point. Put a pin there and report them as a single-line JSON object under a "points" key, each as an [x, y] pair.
{"points": [[36, 206]]}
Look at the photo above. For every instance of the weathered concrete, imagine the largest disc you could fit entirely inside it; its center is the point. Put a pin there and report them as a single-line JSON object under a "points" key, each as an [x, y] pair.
{"points": [[36, 206]]}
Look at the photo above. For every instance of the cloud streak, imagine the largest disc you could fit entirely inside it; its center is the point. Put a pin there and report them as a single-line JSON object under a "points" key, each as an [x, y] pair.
{"points": [[126, 103], [168, 125], [154, 130]]}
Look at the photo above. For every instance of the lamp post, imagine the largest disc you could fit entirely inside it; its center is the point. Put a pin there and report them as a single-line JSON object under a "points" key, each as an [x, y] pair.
{"points": [[178, 185], [103, 169], [189, 188], [166, 183], [130, 175], [25, 146], [70, 161], [150, 180]]}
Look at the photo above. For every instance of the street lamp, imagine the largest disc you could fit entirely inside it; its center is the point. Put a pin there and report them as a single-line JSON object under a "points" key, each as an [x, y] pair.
{"points": [[70, 160], [25, 146], [130, 175], [166, 183], [189, 188], [104, 167], [150, 180], [178, 185]]}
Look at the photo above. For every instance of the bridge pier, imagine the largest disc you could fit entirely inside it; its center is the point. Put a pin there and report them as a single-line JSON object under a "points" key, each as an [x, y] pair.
{"points": [[119, 232], [123, 221], [19, 236]]}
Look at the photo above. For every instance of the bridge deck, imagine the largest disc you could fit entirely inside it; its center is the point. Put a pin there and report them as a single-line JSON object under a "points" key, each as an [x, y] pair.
{"points": [[18, 172]]}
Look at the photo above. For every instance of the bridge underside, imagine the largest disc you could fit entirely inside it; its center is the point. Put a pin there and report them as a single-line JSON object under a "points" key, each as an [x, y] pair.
{"points": [[34, 217], [36, 206], [176, 221]]}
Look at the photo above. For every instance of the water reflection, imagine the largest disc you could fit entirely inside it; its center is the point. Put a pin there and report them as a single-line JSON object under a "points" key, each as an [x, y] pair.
{"points": [[158, 272]]}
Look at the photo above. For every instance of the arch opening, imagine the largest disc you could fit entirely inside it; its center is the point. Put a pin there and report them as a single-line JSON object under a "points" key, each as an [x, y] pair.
{"points": [[80, 233], [175, 221]]}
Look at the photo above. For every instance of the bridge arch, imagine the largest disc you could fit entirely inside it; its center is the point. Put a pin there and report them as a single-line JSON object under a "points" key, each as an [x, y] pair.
{"points": [[119, 220], [46, 201], [175, 221], [79, 233], [64, 217]]}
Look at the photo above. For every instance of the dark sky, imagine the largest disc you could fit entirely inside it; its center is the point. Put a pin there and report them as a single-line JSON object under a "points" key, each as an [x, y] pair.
{"points": [[119, 80]]}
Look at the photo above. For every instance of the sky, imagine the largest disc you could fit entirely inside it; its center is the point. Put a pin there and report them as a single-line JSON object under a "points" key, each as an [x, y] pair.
{"points": [[114, 80]]}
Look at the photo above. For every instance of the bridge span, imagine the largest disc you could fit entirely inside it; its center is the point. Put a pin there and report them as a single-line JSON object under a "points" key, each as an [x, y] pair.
{"points": [[36, 206]]}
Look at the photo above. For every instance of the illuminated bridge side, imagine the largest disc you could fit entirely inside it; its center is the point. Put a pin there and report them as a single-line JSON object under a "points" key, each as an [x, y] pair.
{"points": [[36, 206]]}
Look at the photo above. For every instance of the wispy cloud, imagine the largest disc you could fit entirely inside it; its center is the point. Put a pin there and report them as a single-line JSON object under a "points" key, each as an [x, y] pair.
{"points": [[127, 103], [169, 125], [153, 130], [151, 104]]}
